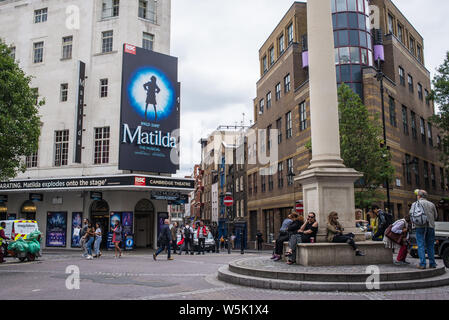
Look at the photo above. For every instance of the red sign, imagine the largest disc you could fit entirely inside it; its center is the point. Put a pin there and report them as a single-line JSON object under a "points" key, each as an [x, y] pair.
{"points": [[300, 208], [139, 181], [228, 201], [130, 49]]}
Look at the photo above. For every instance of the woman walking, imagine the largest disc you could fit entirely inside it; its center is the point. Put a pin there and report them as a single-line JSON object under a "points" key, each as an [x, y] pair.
{"points": [[90, 237], [97, 242], [117, 238], [335, 233]]}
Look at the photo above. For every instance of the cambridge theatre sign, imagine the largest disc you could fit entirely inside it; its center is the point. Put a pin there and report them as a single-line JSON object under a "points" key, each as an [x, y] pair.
{"points": [[99, 183]]}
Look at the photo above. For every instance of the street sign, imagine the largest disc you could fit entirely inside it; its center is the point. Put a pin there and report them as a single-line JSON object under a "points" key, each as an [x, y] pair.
{"points": [[228, 201], [299, 208]]}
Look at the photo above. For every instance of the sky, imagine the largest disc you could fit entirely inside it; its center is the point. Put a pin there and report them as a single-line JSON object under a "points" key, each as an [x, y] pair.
{"points": [[217, 43]]}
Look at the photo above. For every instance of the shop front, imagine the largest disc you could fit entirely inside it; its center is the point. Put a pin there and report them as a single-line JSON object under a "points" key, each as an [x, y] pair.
{"points": [[63, 203]]}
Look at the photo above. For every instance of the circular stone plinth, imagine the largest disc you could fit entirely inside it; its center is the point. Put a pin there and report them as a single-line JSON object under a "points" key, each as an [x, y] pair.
{"points": [[264, 273]]}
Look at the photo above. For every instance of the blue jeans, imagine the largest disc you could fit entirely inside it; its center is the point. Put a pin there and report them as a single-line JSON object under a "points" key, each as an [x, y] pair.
{"points": [[425, 237], [162, 248], [89, 245], [97, 245]]}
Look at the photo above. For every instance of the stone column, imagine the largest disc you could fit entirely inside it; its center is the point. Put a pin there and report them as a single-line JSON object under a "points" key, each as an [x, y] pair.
{"points": [[327, 184]]}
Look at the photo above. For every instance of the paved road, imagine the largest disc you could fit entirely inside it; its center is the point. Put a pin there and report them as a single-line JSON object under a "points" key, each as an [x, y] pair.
{"points": [[137, 276]]}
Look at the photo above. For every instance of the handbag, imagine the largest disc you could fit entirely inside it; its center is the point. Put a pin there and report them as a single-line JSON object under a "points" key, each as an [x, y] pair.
{"points": [[395, 237]]}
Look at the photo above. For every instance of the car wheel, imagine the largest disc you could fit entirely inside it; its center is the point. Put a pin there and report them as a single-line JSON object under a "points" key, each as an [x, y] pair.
{"points": [[31, 257], [414, 254], [22, 259], [445, 257]]}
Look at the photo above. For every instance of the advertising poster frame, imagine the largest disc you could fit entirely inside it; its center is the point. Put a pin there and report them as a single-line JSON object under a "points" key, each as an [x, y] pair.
{"points": [[76, 216], [56, 229]]}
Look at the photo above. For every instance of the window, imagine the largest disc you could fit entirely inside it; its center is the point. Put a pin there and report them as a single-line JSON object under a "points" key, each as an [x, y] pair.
{"points": [[147, 41], [423, 130], [442, 179], [410, 84], [269, 136], [427, 97], [420, 93], [279, 127], [278, 91], [147, 10], [401, 76], [40, 15], [270, 180], [281, 174], [271, 56], [67, 47], [287, 83], [264, 64], [61, 148], [408, 173], [288, 125], [413, 120], [31, 160], [261, 106], [110, 8], [432, 176], [38, 48], [290, 171], [268, 100], [429, 134], [439, 142], [416, 170], [255, 182], [107, 39], [262, 183], [290, 33], [426, 174], [64, 92], [393, 113], [250, 185], [405, 120], [419, 53], [412, 46], [401, 33], [390, 24], [103, 88], [281, 44], [302, 116]]}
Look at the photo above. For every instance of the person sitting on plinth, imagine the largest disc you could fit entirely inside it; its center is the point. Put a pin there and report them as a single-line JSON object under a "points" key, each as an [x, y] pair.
{"points": [[287, 230], [306, 234], [335, 233]]}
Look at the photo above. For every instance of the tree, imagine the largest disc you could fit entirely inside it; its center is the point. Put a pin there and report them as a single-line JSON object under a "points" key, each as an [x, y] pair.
{"points": [[440, 95], [19, 120], [363, 148]]}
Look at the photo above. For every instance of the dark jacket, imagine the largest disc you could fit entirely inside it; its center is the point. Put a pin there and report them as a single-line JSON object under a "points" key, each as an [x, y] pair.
{"points": [[165, 234], [294, 227]]}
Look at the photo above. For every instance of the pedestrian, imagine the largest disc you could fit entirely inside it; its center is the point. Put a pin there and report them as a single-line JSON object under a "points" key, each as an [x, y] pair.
{"points": [[397, 236], [165, 240], [290, 226], [423, 214], [98, 238], [335, 233], [215, 234], [89, 240], [2, 238], [187, 234], [306, 234], [259, 238], [233, 241], [83, 236], [201, 234], [174, 236], [384, 220], [117, 238]]}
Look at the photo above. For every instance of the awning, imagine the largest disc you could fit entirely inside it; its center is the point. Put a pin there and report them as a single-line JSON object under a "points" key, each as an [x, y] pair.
{"points": [[114, 182]]}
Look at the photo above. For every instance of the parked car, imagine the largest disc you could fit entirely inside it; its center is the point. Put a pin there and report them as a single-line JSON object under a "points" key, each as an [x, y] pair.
{"points": [[209, 243], [441, 242]]}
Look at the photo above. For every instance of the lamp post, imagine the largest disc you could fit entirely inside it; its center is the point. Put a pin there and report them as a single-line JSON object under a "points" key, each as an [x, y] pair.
{"points": [[291, 176]]}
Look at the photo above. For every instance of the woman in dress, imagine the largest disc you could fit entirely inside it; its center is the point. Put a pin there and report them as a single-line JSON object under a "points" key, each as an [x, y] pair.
{"points": [[117, 238]]}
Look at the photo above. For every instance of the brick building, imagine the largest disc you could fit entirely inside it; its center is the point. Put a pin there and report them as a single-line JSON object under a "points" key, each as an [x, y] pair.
{"points": [[282, 103]]}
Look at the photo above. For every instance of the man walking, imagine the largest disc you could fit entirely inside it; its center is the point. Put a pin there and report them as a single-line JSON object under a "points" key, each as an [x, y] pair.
{"points": [[165, 240], [187, 233], [259, 237], [83, 238], [423, 214], [201, 234], [2, 238], [174, 236]]}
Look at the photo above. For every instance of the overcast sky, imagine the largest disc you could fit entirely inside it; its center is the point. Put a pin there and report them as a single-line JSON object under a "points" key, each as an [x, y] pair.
{"points": [[217, 43]]}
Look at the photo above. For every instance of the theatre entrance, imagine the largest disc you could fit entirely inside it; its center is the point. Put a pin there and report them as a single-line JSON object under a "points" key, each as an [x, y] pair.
{"points": [[144, 224], [99, 213]]}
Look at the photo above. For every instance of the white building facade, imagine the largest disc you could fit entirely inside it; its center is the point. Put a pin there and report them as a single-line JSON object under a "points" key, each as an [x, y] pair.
{"points": [[49, 39]]}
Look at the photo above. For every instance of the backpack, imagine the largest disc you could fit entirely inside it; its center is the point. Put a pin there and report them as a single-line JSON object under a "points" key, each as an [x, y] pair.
{"points": [[388, 219], [418, 215], [187, 233]]}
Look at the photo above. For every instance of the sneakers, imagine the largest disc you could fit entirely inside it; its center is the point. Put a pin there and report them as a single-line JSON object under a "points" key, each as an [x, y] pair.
{"points": [[89, 258], [170, 258], [359, 254], [433, 267], [421, 267], [277, 258], [154, 256]]}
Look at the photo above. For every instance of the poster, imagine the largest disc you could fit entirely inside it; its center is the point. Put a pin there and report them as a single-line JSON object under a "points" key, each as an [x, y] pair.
{"points": [[127, 222], [150, 111], [115, 216], [77, 220], [161, 216], [56, 229]]}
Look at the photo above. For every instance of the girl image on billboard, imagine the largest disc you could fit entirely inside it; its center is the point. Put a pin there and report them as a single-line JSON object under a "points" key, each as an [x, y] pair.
{"points": [[152, 89]]}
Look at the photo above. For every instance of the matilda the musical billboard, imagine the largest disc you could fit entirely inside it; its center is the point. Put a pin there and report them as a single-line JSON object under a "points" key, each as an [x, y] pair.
{"points": [[150, 108]]}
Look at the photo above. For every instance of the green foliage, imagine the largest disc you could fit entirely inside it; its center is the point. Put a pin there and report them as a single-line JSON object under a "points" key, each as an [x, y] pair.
{"points": [[440, 95], [362, 147], [19, 120]]}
